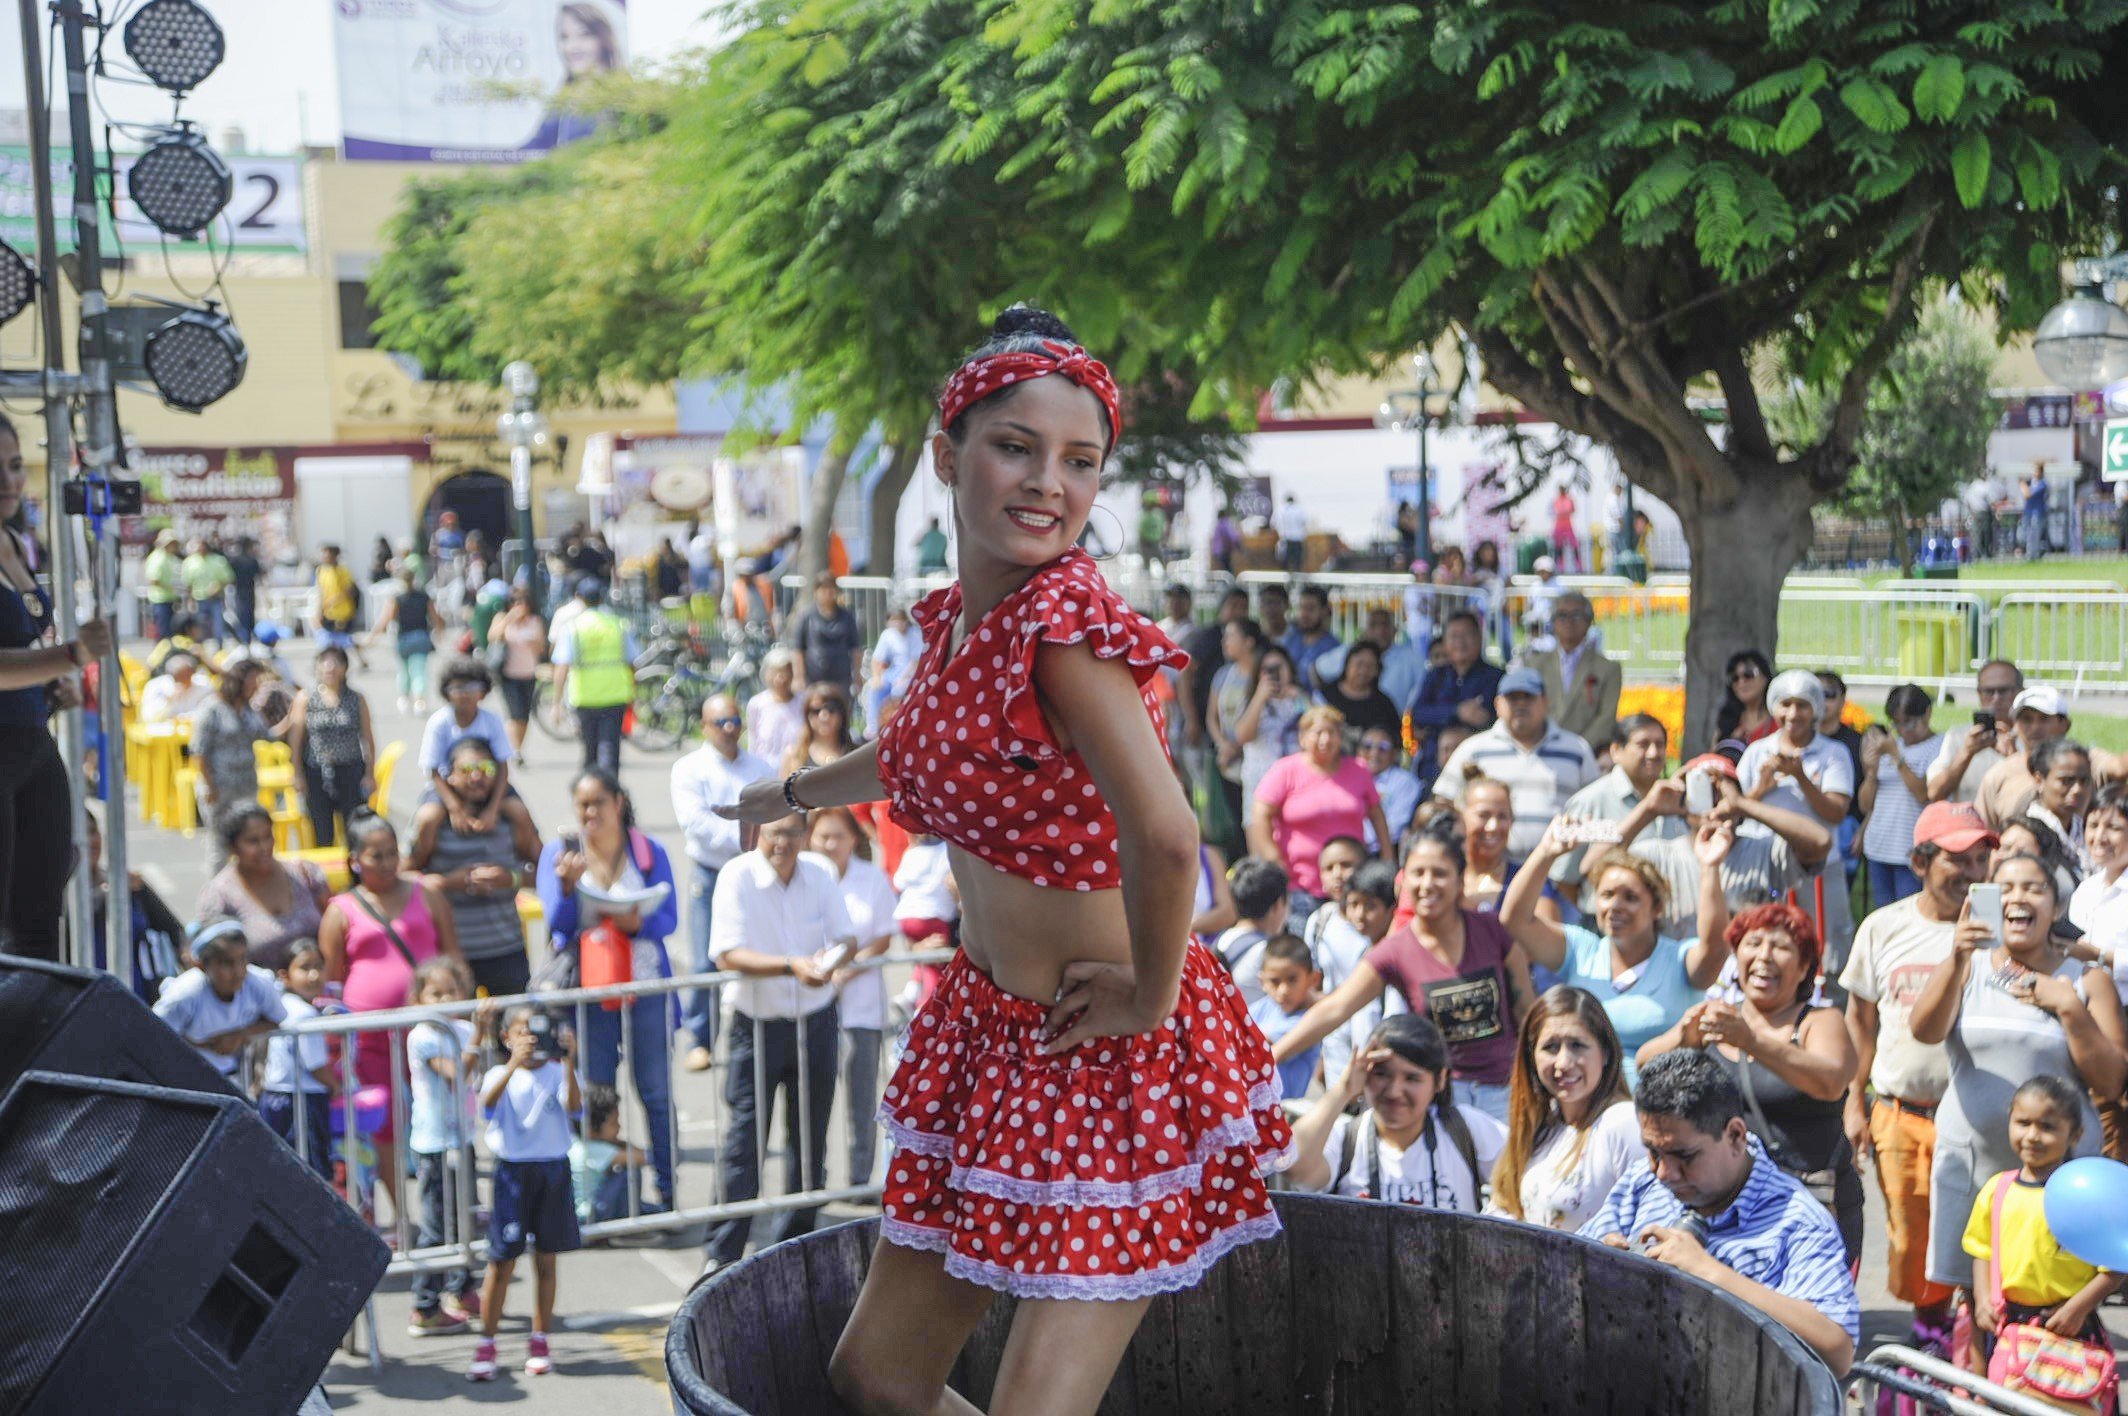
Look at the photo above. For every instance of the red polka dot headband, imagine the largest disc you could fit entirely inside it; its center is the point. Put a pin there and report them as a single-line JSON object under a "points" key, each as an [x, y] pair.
{"points": [[979, 378]]}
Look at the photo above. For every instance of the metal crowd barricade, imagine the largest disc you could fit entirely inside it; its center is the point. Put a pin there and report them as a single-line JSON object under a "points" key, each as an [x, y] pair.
{"points": [[870, 597], [1353, 594], [1936, 1385], [468, 1250], [2061, 634]]}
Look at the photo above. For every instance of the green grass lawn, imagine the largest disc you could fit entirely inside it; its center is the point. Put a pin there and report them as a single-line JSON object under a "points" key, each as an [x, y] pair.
{"points": [[2071, 574], [2094, 730], [2064, 642]]}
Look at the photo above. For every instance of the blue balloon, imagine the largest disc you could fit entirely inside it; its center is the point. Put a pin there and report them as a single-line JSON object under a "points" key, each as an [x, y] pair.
{"points": [[2087, 1208]]}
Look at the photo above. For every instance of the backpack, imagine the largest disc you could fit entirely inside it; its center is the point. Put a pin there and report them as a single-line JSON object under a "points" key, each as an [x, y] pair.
{"points": [[1234, 945], [1451, 1121]]}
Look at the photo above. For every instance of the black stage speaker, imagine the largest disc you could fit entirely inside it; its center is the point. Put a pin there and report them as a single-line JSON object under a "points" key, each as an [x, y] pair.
{"points": [[58, 1019], [162, 1251]]}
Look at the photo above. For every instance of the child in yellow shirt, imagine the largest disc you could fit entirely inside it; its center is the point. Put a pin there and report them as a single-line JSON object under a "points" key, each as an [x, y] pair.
{"points": [[2041, 1282]]}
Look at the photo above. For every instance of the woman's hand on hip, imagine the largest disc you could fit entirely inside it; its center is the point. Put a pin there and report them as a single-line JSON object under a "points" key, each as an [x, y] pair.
{"points": [[1096, 1000]]}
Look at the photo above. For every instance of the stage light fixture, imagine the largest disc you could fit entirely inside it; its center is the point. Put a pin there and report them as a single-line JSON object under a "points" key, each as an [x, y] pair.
{"points": [[195, 359], [175, 43], [179, 184], [18, 283]]}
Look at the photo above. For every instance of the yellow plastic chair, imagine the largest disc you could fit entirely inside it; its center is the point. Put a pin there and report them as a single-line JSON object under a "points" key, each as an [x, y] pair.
{"points": [[133, 677], [330, 859], [387, 767], [165, 775], [531, 917], [183, 805], [277, 793]]}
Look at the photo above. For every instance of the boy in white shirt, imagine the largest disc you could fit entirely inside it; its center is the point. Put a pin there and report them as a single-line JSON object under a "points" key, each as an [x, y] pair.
{"points": [[299, 1071], [441, 1060], [224, 1002], [528, 1101]]}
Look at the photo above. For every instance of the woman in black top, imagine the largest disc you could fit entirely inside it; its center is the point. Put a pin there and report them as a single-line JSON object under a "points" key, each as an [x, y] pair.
{"points": [[1357, 694], [1744, 714], [36, 837], [332, 740], [1791, 1060], [413, 618]]}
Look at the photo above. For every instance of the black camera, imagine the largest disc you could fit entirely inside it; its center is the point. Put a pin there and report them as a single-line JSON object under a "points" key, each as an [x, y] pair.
{"points": [[546, 1032]]}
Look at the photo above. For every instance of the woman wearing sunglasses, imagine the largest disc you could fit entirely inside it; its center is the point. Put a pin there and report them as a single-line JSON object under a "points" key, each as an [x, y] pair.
{"points": [[1744, 714], [826, 735]]}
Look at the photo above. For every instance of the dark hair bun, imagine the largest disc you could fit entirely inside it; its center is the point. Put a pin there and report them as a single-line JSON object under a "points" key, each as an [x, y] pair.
{"points": [[1024, 319]]}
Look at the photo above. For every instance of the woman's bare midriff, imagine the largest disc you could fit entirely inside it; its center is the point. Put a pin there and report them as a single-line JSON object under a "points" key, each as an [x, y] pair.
{"points": [[1023, 935]]}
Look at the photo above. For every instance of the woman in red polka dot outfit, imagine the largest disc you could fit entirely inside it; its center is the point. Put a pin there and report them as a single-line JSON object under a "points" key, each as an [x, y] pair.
{"points": [[1084, 1110]]}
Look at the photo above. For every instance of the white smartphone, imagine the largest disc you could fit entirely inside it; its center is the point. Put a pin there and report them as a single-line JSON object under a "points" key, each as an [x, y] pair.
{"points": [[1985, 904], [1699, 792], [836, 957]]}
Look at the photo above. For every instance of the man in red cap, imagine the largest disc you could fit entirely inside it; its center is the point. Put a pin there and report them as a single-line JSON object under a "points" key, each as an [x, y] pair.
{"points": [[1895, 950]]}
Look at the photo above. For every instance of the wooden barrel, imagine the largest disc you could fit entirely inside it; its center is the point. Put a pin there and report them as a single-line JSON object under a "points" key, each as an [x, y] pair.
{"points": [[1359, 1308]]}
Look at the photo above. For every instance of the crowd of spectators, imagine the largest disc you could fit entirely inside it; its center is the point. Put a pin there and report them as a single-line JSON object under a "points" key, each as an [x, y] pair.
{"points": [[1510, 954], [1678, 1007]]}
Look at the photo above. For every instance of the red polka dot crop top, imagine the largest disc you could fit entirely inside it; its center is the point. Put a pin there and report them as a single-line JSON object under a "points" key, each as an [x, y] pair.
{"points": [[970, 757]]}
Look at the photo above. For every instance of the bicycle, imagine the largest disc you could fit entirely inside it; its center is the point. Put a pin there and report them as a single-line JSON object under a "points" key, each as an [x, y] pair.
{"points": [[669, 695], [561, 729], [668, 704]]}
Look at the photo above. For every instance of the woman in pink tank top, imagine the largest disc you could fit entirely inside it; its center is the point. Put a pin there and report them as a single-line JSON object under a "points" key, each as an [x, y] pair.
{"points": [[373, 936]]}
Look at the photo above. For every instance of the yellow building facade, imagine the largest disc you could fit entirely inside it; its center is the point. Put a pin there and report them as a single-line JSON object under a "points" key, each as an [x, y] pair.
{"points": [[316, 398]]}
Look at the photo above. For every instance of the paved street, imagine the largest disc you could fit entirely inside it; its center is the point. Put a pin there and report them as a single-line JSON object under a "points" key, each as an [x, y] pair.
{"points": [[609, 1354]]}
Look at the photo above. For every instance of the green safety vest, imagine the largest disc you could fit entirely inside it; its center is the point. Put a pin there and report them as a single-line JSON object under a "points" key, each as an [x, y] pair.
{"points": [[601, 677]]}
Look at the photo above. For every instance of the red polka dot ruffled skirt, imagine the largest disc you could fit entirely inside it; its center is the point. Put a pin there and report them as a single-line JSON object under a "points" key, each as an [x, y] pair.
{"points": [[1123, 1168]]}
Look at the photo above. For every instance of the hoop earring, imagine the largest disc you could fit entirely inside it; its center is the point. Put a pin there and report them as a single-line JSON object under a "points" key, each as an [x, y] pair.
{"points": [[1119, 532]]}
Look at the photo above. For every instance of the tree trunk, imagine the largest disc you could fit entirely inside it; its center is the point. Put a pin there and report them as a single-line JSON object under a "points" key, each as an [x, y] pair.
{"points": [[821, 495], [1903, 538], [886, 503], [1741, 554]]}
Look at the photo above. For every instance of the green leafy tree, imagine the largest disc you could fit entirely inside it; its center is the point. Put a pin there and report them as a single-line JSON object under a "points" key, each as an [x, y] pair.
{"points": [[802, 213], [1618, 206], [1925, 427]]}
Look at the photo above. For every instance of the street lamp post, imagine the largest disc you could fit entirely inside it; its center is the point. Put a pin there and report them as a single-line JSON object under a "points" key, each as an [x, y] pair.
{"points": [[1403, 410], [523, 427], [2082, 343]]}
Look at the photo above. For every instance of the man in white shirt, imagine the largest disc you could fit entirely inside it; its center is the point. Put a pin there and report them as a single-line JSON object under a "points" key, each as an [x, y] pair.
{"points": [[177, 692], [1637, 764], [774, 918], [710, 777], [1541, 763], [1291, 523], [1970, 752], [1896, 950], [2041, 715]]}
